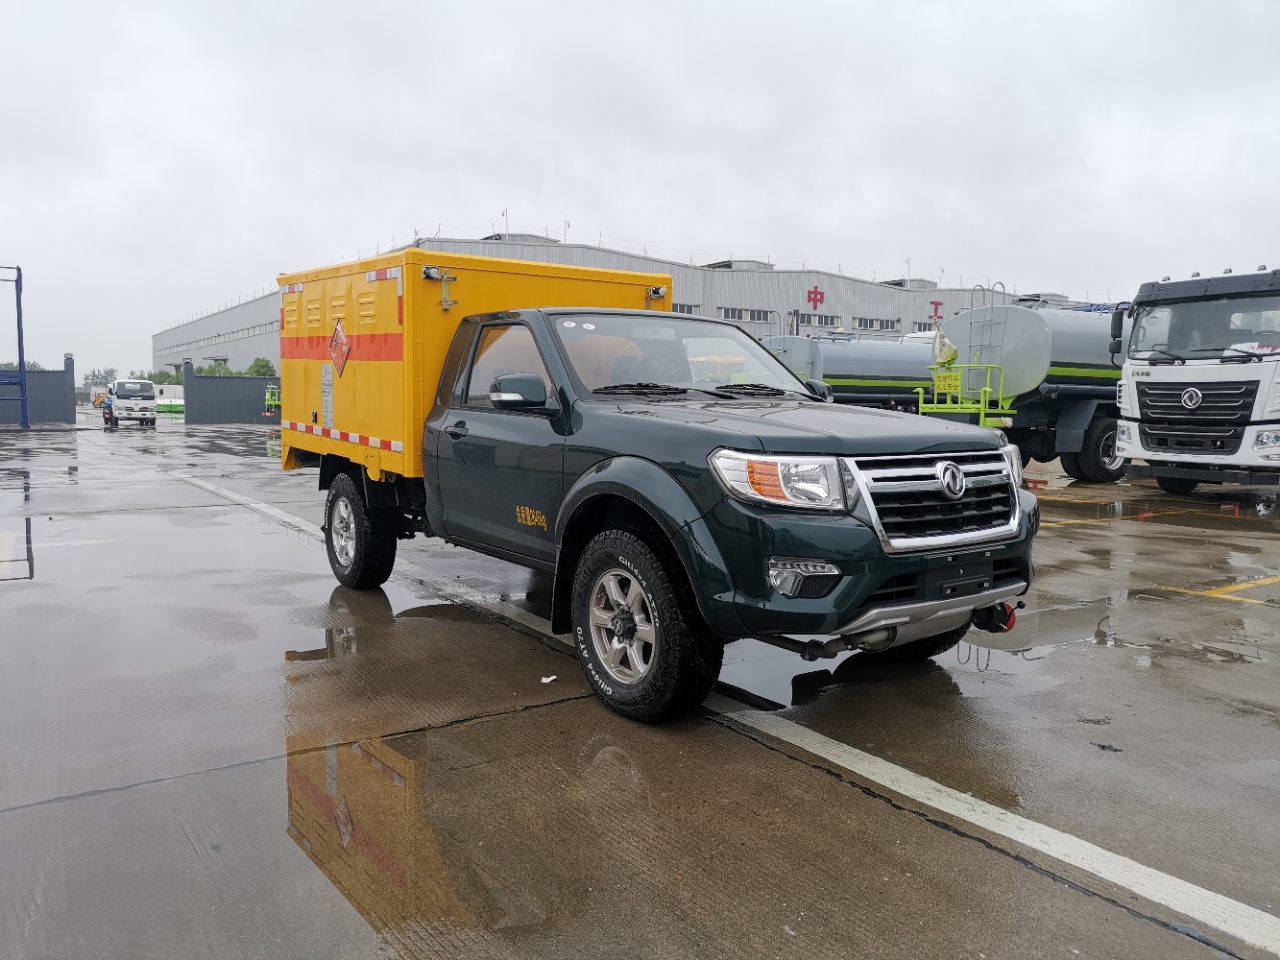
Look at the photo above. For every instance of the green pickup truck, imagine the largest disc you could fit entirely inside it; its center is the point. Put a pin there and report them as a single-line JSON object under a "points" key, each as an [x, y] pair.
{"points": [[685, 490]]}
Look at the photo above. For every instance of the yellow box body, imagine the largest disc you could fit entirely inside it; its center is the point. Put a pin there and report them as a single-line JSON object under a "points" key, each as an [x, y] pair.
{"points": [[364, 393]]}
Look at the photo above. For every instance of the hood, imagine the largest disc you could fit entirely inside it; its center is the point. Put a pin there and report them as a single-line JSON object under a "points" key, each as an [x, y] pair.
{"points": [[797, 426]]}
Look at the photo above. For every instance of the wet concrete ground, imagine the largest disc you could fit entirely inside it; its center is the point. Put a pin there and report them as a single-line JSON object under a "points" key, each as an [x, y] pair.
{"points": [[211, 750]]}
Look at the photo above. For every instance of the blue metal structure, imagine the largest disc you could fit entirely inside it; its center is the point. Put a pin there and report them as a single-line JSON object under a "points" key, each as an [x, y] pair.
{"points": [[19, 378]]}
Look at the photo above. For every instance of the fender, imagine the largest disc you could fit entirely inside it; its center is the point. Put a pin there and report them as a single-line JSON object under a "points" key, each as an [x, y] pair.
{"points": [[652, 490], [1073, 421]]}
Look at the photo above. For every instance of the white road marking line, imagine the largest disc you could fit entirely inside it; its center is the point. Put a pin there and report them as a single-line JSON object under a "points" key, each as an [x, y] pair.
{"points": [[275, 513], [1256, 927]]}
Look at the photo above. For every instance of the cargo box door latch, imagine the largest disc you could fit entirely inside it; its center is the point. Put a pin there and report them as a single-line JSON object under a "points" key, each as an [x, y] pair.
{"points": [[445, 278]]}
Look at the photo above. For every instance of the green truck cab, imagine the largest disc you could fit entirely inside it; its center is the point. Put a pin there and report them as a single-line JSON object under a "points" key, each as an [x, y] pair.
{"points": [[684, 490]]}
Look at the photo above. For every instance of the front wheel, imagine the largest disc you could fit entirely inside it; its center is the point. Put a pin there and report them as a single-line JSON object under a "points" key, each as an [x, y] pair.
{"points": [[639, 640], [360, 542], [1177, 486], [1099, 460]]}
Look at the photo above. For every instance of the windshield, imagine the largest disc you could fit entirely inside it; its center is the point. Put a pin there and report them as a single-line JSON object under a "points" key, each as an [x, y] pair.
{"points": [[607, 350], [1208, 328], [135, 390]]}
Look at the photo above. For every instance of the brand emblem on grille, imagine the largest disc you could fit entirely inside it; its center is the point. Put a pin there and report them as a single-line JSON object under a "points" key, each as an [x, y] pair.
{"points": [[952, 480], [1191, 398]]}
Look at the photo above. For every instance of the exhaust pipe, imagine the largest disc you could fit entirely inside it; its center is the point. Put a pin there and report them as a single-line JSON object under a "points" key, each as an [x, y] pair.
{"points": [[826, 649]]}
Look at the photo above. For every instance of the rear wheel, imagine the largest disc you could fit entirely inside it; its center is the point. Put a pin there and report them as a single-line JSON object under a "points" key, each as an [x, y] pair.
{"points": [[926, 647], [361, 542], [1177, 486], [640, 643], [1098, 458], [1071, 466]]}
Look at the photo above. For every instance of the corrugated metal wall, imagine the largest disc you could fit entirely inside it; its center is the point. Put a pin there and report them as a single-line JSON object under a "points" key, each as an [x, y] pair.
{"points": [[227, 399], [240, 333], [51, 397]]}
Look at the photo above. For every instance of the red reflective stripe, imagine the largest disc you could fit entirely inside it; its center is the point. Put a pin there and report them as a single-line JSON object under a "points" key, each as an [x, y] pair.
{"points": [[364, 346], [399, 311]]}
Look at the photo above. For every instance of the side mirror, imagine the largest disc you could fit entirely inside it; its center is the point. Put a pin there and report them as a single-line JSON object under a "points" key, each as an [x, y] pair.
{"points": [[1115, 347], [518, 391], [820, 389], [1117, 324]]}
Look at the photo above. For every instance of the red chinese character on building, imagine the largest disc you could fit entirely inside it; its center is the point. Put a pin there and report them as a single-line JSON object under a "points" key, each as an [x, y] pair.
{"points": [[816, 297], [937, 310]]}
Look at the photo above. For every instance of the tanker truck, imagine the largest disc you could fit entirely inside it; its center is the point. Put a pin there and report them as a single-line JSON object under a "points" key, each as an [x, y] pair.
{"points": [[1200, 397], [1045, 376]]}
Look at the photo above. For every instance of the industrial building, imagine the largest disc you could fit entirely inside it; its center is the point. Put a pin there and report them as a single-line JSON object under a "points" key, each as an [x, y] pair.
{"points": [[754, 294]]}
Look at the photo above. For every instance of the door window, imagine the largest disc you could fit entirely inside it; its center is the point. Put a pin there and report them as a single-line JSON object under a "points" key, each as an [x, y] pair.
{"points": [[500, 351]]}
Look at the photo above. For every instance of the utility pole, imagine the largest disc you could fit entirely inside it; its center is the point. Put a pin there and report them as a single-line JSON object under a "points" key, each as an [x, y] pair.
{"points": [[506, 223], [20, 380]]}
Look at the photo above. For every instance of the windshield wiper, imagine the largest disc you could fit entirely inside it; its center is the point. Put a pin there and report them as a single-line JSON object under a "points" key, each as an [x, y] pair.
{"points": [[653, 389], [1247, 356], [1174, 356], [751, 389]]}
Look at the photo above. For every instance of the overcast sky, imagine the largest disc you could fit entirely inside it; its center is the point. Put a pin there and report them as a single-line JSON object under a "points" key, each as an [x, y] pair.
{"points": [[160, 159]]}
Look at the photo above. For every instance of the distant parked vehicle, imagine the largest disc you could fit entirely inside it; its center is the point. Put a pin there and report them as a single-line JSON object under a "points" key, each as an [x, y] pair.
{"points": [[133, 400]]}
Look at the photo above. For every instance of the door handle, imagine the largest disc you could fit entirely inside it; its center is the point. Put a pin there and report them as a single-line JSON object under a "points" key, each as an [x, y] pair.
{"points": [[457, 431]]}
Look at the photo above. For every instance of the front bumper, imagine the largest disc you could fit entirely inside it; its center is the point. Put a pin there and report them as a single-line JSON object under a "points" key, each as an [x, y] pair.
{"points": [[1245, 466], [918, 594]]}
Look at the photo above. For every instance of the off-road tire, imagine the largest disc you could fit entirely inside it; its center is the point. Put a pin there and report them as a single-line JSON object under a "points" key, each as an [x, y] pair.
{"points": [[1099, 444], [926, 647], [1071, 466], [686, 659], [1177, 486], [374, 550]]}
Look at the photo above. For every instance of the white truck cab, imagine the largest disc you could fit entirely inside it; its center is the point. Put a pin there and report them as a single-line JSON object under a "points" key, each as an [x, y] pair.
{"points": [[1199, 395], [134, 400]]}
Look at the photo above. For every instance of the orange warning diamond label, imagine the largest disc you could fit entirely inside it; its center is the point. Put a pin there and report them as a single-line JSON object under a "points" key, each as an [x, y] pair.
{"points": [[339, 348]]}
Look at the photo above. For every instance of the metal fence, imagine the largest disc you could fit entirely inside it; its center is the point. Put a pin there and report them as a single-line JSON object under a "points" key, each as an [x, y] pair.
{"points": [[51, 396], [229, 399]]}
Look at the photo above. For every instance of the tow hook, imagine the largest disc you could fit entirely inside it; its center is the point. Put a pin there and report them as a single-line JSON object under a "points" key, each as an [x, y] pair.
{"points": [[998, 619]]}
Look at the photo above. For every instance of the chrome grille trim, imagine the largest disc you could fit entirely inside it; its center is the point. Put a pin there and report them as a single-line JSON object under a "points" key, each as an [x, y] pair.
{"points": [[909, 512]]}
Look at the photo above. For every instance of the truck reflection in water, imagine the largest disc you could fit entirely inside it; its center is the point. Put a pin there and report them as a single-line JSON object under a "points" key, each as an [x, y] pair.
{"points": [[429, 847]]}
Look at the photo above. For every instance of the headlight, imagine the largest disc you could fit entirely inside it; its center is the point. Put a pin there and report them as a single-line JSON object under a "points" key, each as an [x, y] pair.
{"points": [[1013, 457], [1124, 433], [813, 483], [1266, 438]]}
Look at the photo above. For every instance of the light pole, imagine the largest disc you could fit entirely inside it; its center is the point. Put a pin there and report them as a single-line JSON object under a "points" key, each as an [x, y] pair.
{"points": [[21, 379]]}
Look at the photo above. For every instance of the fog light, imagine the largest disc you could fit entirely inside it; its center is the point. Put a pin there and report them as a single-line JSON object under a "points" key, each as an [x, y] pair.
{"points": [[809, 578], [1266, 438]]}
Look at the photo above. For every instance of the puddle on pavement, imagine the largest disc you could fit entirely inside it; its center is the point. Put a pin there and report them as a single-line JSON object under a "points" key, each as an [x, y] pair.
{"points": [[1220, 509]]}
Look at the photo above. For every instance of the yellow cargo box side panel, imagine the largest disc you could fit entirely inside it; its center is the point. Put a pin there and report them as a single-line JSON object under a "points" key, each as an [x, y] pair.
{"points": [[362, 344]]}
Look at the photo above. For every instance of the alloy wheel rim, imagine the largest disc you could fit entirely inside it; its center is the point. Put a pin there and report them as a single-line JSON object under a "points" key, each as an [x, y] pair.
{"points": [[342, 529], [623, 631], [1110, 459]]}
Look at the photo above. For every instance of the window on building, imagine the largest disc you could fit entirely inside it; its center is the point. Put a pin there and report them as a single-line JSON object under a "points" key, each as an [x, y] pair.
{"points": [[888, 324], [866, 323], [819, 319], [690, 308], [732, 313], [758, 316], [924, 326]]}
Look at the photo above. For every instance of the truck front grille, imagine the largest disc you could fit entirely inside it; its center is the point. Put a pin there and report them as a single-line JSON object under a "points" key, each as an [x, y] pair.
{"points": [[1213, 425], [910, 511], [1220, 403]]}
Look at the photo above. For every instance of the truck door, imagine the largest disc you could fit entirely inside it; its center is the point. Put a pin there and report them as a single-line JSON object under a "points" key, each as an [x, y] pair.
{"points": [[502, 471]]}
